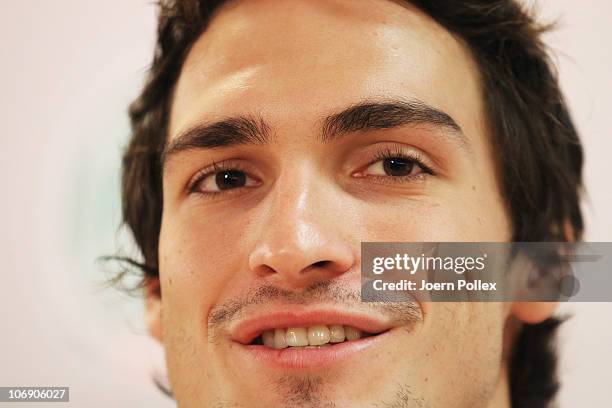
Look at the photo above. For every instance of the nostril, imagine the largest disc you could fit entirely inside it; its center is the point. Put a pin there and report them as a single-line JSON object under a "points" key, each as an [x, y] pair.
{"points": [[320, 264], [265, 270]]}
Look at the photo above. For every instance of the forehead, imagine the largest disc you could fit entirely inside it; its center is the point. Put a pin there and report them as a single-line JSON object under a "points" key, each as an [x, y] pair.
{"points": [[298, 59]]}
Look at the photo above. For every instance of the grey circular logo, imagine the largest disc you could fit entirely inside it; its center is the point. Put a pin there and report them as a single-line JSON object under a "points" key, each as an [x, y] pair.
{"points": [[569, 286]]}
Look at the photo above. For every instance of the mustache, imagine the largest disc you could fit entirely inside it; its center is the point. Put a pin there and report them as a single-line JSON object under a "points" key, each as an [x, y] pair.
{"points": [[404, 312]]}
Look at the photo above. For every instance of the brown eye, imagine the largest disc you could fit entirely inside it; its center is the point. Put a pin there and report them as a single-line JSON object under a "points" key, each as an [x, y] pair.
{"points": [[224, 180], [398, 166], [394, 167]]}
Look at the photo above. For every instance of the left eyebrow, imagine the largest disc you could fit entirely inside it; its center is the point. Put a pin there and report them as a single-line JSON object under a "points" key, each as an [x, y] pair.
{"points": [[370, 115]]}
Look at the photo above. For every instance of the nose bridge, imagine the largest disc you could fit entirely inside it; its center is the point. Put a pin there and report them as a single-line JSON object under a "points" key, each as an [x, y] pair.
{"points": [[295, 220], [300, 243], [296, 197]]}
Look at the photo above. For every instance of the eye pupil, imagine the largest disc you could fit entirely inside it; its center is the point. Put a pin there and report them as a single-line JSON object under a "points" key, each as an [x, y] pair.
{"points": [[230, 179], [397, 166]]}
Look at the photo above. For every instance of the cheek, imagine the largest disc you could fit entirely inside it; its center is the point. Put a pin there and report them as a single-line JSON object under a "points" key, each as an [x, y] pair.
{"points": [[456, 217], [467, 345], [200, 259], [194, 255], [194, 260]]}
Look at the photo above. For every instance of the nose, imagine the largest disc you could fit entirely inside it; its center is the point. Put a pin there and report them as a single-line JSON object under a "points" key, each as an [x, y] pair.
{"points": [[302, 241]]}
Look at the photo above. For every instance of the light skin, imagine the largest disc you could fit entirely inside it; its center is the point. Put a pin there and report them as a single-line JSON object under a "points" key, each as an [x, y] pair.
{"points": [[304, 186]]}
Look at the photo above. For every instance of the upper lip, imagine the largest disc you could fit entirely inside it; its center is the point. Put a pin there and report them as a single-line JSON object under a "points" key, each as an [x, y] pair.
{"points": [[246, 330]]}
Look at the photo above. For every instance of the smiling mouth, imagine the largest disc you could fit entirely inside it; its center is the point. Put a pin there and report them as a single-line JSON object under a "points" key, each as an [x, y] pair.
{"points": [[315, 336], [298, 338]]}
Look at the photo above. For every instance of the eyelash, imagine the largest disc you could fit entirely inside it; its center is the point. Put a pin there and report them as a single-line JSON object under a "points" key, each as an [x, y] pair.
{"points": [[209, 171], [383, 154], [399, 153]]}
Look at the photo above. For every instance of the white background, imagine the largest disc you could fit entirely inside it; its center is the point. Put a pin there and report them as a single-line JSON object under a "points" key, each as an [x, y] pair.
{"points": [[68, 70]]}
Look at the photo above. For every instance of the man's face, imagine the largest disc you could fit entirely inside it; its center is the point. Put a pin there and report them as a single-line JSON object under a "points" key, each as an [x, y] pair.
{"points": [[298, 130]]}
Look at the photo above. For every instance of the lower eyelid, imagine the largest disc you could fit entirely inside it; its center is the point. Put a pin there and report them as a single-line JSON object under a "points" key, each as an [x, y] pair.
{"points": [[399, 179]]}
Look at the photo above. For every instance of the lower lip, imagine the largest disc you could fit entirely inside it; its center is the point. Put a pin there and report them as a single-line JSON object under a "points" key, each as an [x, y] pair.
{"points": [[304, 358]]}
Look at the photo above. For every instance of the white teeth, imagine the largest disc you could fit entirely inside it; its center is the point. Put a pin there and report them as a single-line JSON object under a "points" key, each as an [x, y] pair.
{"points": [[297, 336], [268, 338], [352, 333], [318, 335], [336, 334], [280, 341]]}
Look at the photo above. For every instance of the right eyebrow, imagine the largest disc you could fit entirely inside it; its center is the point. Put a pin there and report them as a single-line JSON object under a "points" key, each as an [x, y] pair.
{"points": [[226, 132]]}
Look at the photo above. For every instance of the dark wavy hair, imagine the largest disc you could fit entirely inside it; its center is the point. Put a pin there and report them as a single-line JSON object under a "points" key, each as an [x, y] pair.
{"points": [[537, 148]]}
